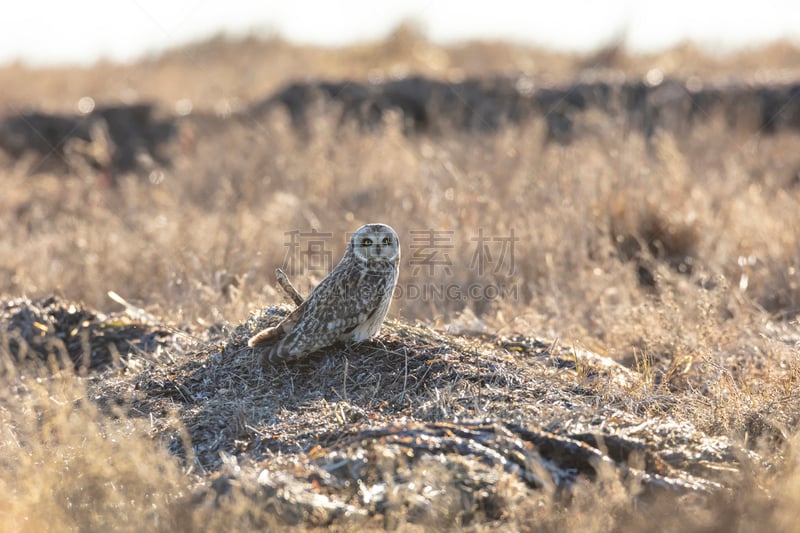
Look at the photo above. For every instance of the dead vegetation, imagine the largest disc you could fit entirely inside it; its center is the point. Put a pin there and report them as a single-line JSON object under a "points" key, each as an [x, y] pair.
{"points": [[353, 434], [638, 357]]}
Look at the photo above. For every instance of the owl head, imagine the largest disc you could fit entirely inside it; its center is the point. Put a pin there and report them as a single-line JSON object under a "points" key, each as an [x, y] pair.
{"points": [[375, 243]]}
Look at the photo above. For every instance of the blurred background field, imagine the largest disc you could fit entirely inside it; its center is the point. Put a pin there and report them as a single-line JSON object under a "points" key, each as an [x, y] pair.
{"points": [[662, 236], [187, 183]]}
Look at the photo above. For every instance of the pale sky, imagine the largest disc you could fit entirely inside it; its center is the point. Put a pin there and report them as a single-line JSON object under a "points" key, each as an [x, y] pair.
{"points": [[82, 31]]}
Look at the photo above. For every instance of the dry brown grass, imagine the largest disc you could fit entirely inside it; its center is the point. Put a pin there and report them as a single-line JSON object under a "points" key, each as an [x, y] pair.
{"points": [[678, 257]]}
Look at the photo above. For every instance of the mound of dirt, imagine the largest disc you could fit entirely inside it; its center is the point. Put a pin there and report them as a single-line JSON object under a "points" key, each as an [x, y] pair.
{"points": [[117, 138], [410, 424], [123, 138], [33, 332], [428, 105]]}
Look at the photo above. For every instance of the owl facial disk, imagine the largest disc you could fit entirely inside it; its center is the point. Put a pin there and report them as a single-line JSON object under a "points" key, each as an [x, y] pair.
{"points": [[376, 242]]}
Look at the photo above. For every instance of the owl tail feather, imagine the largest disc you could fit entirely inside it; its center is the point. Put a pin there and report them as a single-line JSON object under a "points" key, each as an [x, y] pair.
{"points": [[265, 337]]}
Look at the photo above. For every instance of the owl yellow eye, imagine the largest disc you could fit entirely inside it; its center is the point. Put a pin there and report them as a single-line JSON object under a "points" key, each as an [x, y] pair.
{"points": [[385, 241], [366, 242]]}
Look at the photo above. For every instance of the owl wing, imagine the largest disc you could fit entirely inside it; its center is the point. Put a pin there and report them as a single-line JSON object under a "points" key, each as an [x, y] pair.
{"points": [[331, 311]]}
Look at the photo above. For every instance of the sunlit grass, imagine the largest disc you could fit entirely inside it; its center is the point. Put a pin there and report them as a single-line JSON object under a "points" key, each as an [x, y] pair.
{"points": [[677, 256]]}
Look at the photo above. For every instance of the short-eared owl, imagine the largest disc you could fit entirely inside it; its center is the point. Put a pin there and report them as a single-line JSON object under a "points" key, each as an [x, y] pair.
{"points": [[348, 305]]}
